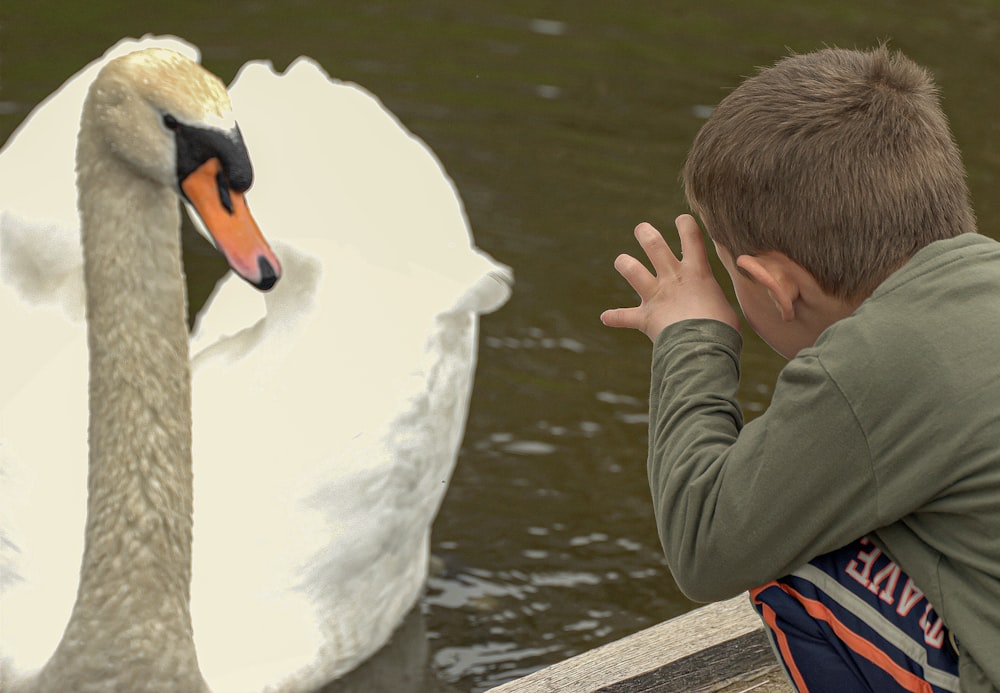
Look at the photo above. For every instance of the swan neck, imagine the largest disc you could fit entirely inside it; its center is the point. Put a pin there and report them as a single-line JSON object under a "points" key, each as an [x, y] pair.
{"points": [[132, 615]]}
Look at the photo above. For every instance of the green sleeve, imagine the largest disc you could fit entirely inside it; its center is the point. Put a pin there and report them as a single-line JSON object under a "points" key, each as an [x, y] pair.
{"points": [[737, 506]]}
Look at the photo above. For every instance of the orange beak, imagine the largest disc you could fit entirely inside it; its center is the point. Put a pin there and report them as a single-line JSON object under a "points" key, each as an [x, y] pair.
{"points": [[225, 214]]}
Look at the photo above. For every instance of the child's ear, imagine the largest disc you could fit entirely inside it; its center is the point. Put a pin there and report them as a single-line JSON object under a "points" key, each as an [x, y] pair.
{"points": [[771, 271]]}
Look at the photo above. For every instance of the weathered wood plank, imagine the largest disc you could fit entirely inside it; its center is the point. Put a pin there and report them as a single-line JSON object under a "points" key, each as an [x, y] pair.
{"points": [[717, 647]]}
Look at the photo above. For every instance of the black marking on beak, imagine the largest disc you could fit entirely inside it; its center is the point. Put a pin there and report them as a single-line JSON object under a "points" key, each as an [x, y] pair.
{"points": [[196, 145], [223, 184], [268, 277]]}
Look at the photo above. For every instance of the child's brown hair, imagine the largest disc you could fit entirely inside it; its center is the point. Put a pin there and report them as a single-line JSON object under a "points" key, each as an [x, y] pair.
{"points": [[841, 159]]}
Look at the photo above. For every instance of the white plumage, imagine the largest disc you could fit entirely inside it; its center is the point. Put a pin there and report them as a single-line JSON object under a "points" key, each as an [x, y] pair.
{"points": [[327, 413]]}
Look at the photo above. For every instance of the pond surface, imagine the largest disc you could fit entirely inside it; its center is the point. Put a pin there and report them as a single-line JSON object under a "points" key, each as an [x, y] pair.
{"points": [[563, 123]]}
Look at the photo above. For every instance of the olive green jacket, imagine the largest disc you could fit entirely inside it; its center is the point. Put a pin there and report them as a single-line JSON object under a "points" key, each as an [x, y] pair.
{"points": [[889, 426]]}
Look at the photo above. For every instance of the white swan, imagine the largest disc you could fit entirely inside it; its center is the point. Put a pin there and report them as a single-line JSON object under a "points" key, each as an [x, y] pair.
{"points": [[327, 413]]}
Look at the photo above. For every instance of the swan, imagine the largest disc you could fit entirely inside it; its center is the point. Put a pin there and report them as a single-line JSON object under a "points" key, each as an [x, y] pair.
{"points": [[327, 412]]}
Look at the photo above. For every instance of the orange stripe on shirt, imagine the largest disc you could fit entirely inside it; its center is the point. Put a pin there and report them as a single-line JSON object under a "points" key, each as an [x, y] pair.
{"points": [[771, 619], [819, 611]]}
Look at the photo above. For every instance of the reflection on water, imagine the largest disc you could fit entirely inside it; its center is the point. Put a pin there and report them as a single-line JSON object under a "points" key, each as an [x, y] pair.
{"points": [[564, 124]]}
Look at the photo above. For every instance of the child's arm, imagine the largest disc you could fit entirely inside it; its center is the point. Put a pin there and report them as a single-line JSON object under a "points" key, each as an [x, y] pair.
{"points": [[680, 290], [737, 506]]}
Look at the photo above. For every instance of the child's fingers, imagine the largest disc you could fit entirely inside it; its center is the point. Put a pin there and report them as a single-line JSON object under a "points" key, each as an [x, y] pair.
{"points": [[622, 317], [692, 244], [656, 248], [636, 274]]}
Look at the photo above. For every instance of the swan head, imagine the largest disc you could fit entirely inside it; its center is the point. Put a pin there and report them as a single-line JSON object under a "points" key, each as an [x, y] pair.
{"points": [[170, 120]]}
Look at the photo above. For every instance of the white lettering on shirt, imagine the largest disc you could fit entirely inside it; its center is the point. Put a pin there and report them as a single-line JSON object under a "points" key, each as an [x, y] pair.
{"points": [[933, 631], [885, 583], [891, 572], [867, 559], [910, 597]]}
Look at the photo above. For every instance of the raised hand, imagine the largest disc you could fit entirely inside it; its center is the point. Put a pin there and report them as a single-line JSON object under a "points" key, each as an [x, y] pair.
{"points": [[679, 290]]}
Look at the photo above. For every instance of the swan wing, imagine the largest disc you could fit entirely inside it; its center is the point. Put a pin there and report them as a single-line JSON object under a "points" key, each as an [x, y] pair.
{"points": [[327, 429]]}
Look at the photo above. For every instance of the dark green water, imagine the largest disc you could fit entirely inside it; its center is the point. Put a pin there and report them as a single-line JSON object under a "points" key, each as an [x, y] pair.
{"points": [[564, 124]]}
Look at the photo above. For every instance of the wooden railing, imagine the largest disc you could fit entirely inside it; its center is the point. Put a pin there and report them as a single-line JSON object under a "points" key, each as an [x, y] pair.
{"points": [[718, 647]]}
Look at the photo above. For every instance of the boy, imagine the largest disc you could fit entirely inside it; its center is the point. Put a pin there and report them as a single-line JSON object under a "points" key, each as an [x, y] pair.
{"points": [[870, 489]]}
